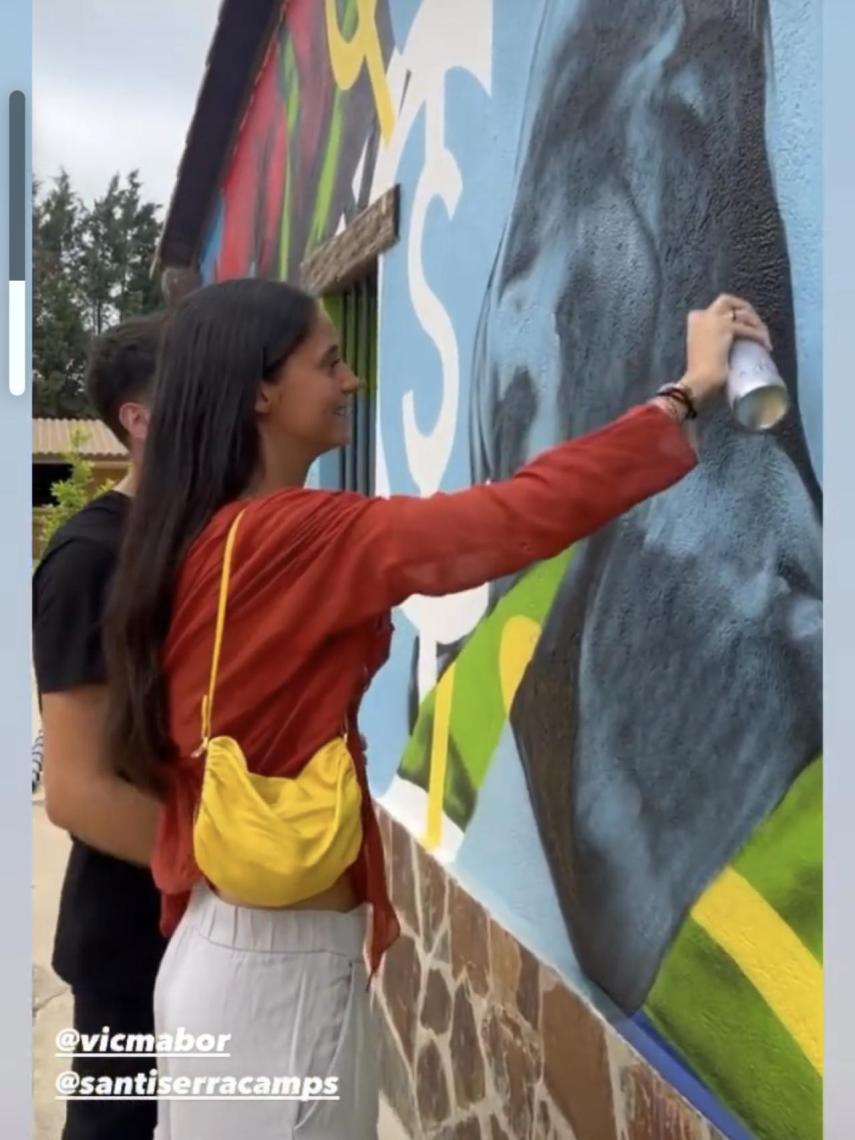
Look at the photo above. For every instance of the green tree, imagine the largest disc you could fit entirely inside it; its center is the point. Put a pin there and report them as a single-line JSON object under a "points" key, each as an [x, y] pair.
{"points": [[59, 331], [73, 492], [118, 239], [92, 268]]}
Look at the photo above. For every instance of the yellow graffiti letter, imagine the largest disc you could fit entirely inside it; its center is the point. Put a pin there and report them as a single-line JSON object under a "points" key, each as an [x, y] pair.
{"points": [[348, 56]]}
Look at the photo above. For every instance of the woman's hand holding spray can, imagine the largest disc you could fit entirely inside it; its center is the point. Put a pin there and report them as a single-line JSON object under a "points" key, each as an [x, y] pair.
{"points": [[756, 393], [729, 347]]}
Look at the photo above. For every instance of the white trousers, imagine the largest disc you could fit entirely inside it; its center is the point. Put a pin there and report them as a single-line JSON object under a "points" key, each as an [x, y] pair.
{"points": [[286, 993]]}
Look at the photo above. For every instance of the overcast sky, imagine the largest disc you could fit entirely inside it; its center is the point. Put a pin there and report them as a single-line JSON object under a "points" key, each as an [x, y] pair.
{"points": [[114, 87]]}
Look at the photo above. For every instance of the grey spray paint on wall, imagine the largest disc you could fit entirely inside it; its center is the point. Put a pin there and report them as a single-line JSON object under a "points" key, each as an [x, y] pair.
{"points": [[675, 692]]}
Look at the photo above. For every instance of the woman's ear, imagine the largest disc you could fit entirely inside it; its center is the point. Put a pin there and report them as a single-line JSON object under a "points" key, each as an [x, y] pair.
{"points": [[264, 398]]}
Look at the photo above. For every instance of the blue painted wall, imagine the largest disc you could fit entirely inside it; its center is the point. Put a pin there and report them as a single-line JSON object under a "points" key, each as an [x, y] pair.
{"points": [[572, 180]]}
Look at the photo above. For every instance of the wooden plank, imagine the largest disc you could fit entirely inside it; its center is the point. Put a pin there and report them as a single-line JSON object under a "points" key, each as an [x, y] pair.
{"points": [[343, 258]]}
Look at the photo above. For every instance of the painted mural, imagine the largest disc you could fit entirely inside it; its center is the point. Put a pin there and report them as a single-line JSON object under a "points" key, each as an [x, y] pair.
{"points": [[306, 150], [619, 751]]}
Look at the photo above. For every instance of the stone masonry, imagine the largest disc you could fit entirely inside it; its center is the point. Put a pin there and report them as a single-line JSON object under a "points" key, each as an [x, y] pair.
{"points": [[481, 1041]]}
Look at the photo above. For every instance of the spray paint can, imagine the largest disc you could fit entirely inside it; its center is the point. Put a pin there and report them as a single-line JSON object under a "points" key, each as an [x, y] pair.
{"points": [[757, 395]]}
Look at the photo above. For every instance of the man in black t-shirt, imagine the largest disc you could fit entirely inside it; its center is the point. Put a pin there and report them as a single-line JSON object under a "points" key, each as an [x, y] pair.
{"points": [[108, 945]]}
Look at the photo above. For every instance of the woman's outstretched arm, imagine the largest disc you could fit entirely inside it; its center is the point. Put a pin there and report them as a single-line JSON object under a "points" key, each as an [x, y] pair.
{"points": [[375, 553], [453, 542]]}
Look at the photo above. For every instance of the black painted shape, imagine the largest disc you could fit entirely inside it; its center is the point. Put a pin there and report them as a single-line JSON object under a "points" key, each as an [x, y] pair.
{"points": [[676, 691]]}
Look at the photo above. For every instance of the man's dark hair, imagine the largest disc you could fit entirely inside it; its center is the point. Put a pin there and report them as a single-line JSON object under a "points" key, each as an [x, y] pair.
{"points": [[121, 367]]}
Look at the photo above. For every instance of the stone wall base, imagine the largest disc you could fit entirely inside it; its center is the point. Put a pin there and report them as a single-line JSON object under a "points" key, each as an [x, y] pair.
{"points": [[481, 1041]]}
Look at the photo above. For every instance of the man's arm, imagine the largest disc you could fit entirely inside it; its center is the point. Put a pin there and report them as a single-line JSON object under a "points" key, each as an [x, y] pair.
{"points": [[82, 794]]}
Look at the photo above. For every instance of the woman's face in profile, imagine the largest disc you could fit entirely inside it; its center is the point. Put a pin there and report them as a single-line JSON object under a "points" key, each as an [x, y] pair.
{"points": [[305, 407]]}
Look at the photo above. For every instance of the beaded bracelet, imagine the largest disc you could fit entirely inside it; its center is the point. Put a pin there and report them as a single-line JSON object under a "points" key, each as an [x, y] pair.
{"points": [[675, 392]]}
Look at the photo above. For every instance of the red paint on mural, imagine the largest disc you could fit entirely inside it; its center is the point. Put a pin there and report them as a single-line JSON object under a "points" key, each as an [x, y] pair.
{"points": [[331, 132], [255, 183]]}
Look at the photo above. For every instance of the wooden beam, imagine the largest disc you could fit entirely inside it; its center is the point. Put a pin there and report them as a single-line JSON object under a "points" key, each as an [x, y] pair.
{"points": [[345, 257]]}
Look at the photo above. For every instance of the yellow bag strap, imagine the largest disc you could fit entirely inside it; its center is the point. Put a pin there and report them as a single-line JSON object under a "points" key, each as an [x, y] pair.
{"points": [[208, 699]]}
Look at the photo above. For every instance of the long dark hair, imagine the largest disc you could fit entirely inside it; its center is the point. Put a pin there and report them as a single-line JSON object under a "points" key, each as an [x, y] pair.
{"points": [[201, 452]]}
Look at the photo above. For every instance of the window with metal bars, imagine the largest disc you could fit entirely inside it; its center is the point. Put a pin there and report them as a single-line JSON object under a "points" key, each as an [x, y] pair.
{"points": [[354, 312]]}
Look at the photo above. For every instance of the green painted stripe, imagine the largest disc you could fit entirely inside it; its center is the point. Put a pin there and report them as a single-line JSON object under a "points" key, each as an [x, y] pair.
{"points": [[327, 179], [329, 170], [291, 85], [783, 859], [478, 712], [291, 88], [704, 1006]]}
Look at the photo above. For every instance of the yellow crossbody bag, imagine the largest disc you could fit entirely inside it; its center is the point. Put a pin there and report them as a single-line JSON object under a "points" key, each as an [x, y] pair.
{"points": [[272, 841]]}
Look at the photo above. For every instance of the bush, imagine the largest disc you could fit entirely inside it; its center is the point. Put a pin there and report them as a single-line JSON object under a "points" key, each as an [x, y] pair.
{"points": [[72, 493]]}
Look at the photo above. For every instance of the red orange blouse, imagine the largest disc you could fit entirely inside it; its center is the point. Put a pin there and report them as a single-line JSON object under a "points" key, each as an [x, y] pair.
{"points": [[314, 577]]}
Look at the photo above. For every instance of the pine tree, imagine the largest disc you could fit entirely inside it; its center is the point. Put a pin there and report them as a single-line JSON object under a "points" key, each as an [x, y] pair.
{"points": [[59, 331], [91, 269]]}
